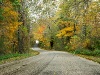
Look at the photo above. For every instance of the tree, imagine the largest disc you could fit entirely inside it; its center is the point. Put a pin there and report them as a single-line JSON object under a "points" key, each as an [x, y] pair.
{"points": [[8, 26], [76, 21]]}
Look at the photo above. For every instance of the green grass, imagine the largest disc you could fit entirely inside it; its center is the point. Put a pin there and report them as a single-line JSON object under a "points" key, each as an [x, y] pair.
{"points": [[88, 54], [93, 58], [15, 56]]}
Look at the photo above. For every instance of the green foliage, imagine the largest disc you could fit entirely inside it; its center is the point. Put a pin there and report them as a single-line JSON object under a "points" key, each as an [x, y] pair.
{"points": [[88, 52], [1, 42], [9, 56], [96, 52], [2, 45], [59, 44], [15, 2], [1, 12], [66, 47], [24, 30], [96, 43], [15, 55], [1, 1]]}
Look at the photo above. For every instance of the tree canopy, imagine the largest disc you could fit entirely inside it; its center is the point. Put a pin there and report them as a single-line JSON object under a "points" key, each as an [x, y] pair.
{"points": [[69, 24]]}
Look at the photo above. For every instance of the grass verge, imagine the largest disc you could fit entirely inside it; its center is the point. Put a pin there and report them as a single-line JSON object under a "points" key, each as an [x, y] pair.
{"points": [[88, 54], [93, 58], [15, 56]]}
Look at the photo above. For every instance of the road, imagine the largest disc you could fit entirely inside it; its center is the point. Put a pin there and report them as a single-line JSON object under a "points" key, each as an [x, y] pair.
{"points": [[51, 63]]}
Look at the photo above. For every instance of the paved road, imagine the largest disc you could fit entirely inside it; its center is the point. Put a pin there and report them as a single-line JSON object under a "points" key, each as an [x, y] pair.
{"points": [[51, 63]]}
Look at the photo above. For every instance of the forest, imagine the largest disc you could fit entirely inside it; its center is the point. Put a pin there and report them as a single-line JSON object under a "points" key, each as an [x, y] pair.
{"points": [[70, 25]]}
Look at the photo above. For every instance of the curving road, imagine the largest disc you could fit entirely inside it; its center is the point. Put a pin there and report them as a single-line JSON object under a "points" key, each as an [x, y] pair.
{"points": [[51, 63]]}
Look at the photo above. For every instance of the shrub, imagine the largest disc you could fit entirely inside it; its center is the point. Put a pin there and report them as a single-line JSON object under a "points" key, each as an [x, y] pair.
{"points": [[66, 47], [96, 53], [87, 52], [77, 51]]}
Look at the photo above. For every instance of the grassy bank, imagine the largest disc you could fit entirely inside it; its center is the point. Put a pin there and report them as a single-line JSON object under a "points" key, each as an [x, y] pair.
{"points": [[88, 54], [93, 58], [15, 56]]}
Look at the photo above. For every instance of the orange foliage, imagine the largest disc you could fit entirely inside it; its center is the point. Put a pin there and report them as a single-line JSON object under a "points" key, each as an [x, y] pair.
{"points": [[38, 34]]}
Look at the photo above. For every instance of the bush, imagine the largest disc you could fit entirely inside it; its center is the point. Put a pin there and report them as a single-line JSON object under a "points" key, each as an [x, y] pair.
{"points": [[96, 53], [77, 51], [66, 47], [86, 52]]}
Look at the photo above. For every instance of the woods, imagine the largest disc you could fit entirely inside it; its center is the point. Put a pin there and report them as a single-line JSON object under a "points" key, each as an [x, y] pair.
{"points": [[14, 28], [71, 25], [75, 26], [79, 24]]}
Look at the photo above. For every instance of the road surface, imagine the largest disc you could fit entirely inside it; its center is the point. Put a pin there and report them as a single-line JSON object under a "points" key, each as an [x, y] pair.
{"points": [[51, 63]]}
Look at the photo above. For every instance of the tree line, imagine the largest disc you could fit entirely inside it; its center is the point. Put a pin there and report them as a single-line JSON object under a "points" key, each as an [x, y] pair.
{"points": [[74, 26], [66, 24], [14, 27]]}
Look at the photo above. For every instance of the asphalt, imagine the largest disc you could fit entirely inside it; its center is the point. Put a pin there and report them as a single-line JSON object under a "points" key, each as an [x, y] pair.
{"points": [[51, 63]]}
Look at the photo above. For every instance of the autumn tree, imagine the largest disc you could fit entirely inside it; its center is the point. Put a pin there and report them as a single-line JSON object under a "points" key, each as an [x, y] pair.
{"points": [[9, 23], [77, 20], [24, 30]]}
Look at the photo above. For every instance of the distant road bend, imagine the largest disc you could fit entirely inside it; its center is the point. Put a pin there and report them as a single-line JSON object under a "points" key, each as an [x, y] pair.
{"points": [[51, 63]]}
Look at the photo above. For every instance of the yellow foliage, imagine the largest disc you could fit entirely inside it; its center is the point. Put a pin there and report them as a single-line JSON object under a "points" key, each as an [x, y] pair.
{"points": [[6, 9], [9, 24], [13, 13], [67, 28], [69, 34], [68, 31]]}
